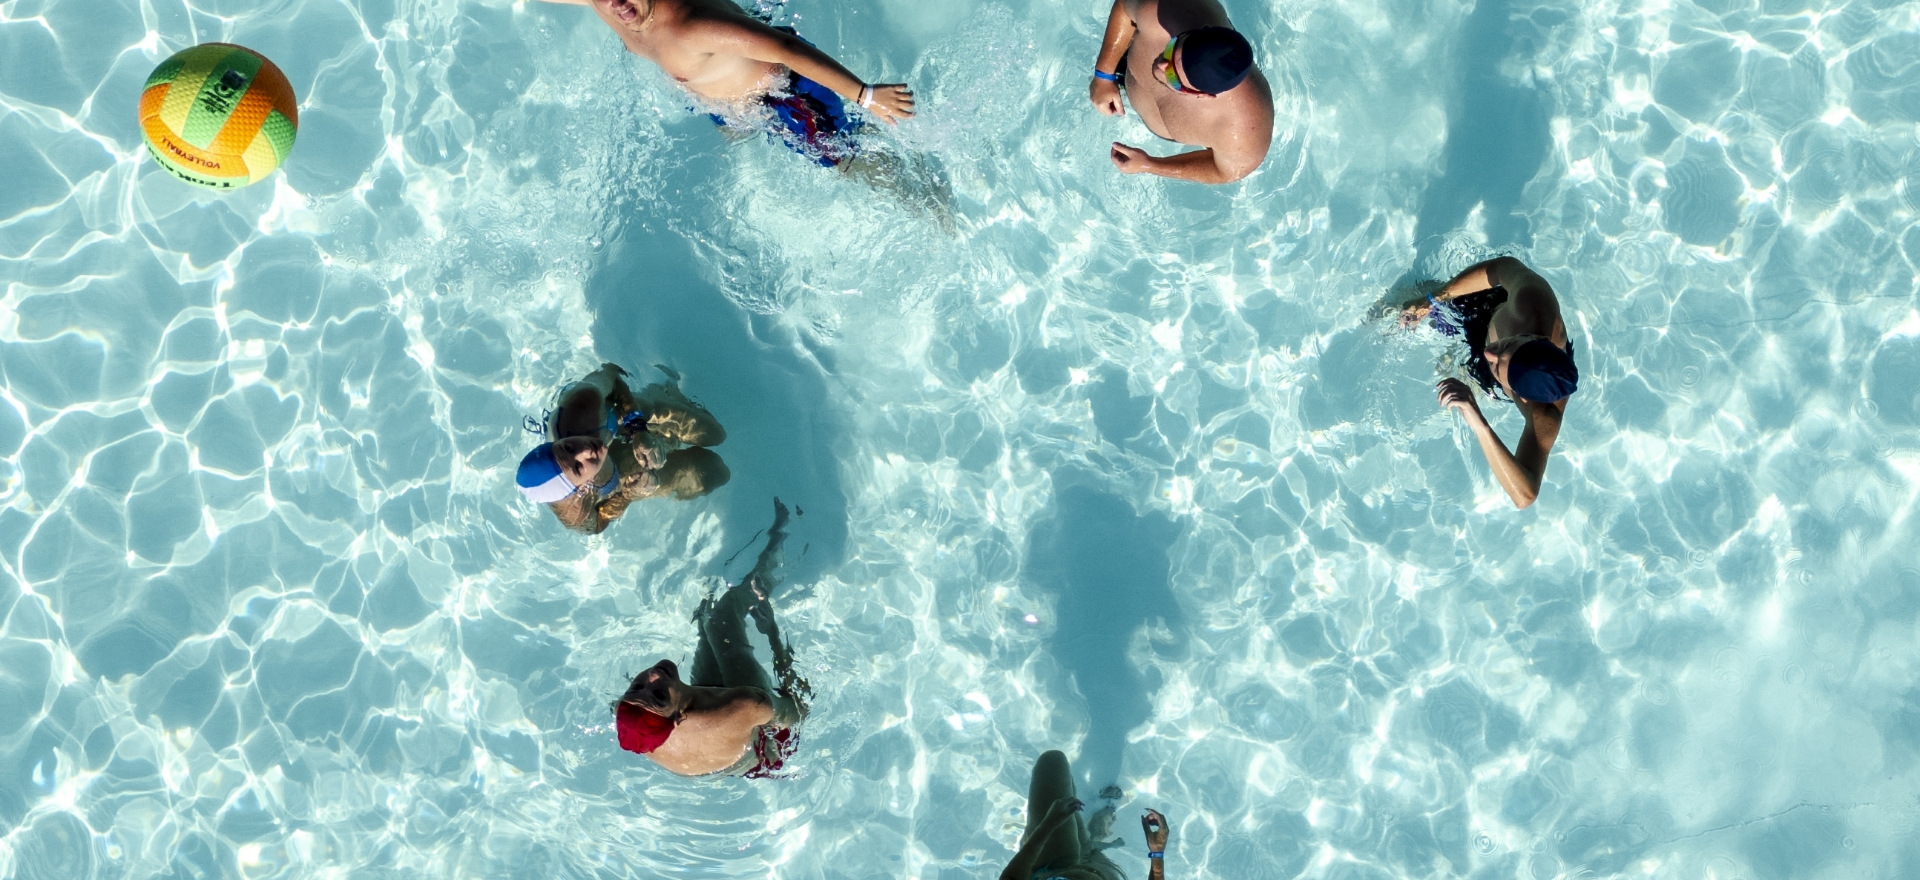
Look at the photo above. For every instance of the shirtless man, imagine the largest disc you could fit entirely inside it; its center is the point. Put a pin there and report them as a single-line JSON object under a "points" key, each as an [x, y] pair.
{"points": [[1192, 79], [731, 719], [717, 51], [1516, 344]]}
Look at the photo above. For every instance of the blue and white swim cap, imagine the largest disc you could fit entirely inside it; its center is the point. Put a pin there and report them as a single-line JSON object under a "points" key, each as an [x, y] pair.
{"points": [[539, 477]]}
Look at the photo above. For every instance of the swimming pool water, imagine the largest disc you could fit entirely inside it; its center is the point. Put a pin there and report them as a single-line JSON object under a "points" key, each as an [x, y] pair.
{"points": [[1115, 465]]}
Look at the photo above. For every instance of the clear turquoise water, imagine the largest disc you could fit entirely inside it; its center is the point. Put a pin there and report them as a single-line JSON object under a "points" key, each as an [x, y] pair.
{"points": [[1118, 466]]}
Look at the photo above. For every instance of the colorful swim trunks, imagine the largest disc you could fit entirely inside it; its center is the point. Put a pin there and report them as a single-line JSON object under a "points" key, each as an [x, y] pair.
{"points": [[771, 749], [809, 118]]}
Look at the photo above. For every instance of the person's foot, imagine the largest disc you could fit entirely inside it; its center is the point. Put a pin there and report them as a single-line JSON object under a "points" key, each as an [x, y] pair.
{"points": [[762, 610], [707, 605]]}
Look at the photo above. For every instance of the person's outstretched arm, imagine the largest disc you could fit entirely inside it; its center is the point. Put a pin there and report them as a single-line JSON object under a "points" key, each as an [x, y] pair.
{"points": [[750, 39], [1520, 471], [1105, 93], [1155, 825]]}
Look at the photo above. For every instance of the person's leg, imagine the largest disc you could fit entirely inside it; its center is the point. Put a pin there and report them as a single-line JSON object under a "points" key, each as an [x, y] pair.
{"points": [[1053, 781], [723, 624], [723, 635], [690, 473], [706, 664], [673, 417]]}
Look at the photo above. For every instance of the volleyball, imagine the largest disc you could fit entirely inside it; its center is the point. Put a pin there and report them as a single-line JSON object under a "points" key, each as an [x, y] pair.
{"points": [[219, 115]]}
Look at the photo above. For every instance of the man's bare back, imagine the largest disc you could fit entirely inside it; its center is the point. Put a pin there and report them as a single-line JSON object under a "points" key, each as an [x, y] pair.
{"points": [[1235, 126], [719, 52]]}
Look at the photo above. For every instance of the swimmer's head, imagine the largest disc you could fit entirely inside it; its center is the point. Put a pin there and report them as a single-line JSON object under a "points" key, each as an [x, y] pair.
{"points": [[1205, 61], [659, 690], [552, 471], [1532, 368], [644, 715]]}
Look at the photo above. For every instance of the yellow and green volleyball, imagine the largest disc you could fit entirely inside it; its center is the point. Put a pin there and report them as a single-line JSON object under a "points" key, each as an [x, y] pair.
{"points": [[219, 115]]}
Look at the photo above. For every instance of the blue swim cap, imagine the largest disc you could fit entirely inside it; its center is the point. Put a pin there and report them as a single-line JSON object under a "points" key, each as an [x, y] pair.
{"points": [[1543, 372], [1215, 59], [539, 477]]}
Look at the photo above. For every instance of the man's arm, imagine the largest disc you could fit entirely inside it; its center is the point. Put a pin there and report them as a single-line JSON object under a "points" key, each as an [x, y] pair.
{"points": [[1198, 166], [1155, 826], [1236, 154], [1521, 471], [1506, 272], [1119, 36], [751, 39], [1104, 93]]}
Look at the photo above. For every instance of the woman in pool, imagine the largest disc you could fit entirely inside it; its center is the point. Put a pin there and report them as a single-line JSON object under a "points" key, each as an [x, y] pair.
{"points": [[730, 719], [613, 447], [1060, 844], [1516, 344]]}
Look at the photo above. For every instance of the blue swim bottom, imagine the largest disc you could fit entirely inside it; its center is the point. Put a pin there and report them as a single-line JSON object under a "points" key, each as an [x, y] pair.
{"points": [[812, 121]]}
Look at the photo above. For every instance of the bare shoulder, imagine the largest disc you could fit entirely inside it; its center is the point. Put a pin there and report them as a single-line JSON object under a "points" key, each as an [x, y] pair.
{"points": [[734, 712], [1545, 420], [1520, 279], [1244, 142]]}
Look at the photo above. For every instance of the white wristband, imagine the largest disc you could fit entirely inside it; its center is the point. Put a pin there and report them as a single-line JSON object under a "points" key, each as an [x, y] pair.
{"points": [[866, 97]]}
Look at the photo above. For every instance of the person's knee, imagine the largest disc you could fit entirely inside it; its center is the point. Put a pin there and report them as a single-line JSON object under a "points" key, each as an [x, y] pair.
{"points": [[691, 473]]}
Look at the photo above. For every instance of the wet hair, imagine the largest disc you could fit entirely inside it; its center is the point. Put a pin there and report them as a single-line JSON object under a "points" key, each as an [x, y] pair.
{"points": [[1214, 59]]}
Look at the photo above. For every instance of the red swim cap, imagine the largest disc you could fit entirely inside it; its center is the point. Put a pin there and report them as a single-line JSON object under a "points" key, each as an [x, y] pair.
{"points": [[640, 730]]}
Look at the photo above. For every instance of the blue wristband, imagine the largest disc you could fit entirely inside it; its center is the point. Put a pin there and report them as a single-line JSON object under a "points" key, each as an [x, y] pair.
{"points": [[1156, 855], [1109, 77]]}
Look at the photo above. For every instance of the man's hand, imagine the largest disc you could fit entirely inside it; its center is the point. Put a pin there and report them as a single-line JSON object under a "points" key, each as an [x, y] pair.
{"points": [[1455, 395], [1155, 825], [1130, 160], [1105, 95], [892, 102]]}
